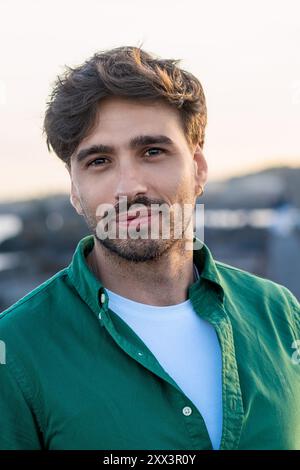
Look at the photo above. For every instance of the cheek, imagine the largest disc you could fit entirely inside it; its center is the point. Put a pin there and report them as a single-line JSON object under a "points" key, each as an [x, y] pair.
{"points": [[93, 194], [175, 184], [182, 183], [89, 204]]}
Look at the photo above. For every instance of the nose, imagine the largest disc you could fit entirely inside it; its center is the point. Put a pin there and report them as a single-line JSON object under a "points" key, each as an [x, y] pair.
{"points": [[130, 183]]}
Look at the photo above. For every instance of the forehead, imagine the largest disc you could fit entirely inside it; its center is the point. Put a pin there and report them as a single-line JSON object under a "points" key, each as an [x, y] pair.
{"points": [[119, 119]]}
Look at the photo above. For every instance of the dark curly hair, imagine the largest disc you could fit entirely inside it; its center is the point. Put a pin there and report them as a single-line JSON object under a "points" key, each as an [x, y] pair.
{"points": [[127, 72]]}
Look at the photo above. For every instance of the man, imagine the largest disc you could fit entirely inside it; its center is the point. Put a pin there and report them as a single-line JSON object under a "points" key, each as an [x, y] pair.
{"points": [[142, 342]]}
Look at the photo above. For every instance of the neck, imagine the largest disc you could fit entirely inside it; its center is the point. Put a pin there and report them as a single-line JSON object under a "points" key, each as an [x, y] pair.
{"points": [[159, 282]]}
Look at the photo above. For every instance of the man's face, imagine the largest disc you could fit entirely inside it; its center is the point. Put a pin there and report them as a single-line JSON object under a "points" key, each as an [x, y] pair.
{"points": [[159, 169]]}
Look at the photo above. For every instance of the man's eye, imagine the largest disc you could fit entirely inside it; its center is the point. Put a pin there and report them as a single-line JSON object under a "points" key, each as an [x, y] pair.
{"points": [[97, 162], [155, 149]]}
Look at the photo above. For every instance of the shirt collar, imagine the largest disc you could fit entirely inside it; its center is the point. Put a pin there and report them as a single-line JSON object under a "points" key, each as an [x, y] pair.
{"points": [[86, 284], [207, 269], [90, 288]]}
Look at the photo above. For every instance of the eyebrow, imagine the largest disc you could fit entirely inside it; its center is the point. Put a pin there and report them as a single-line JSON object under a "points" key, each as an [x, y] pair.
{"points": [[134, 143]]}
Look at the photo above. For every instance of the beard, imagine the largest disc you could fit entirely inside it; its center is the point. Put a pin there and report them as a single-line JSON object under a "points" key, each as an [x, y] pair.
{"points": [[137, 250], [143, 247]]}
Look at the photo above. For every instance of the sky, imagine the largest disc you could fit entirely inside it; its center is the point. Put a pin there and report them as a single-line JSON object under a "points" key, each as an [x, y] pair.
{"points": [[245, 54]]}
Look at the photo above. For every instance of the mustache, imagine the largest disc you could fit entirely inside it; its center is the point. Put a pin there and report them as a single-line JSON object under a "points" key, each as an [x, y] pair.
{"points": [[123, 206], [142, 200]]}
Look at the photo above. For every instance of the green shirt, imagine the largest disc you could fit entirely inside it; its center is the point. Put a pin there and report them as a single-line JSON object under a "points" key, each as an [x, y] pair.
{"points": [[77, 376]]}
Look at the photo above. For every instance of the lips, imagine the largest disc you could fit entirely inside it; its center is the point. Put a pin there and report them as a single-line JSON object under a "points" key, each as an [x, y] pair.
{"points": [[127, 216]]}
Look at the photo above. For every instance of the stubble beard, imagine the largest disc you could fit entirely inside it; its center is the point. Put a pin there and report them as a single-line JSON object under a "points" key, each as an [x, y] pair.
{"points": [[139, 249]]}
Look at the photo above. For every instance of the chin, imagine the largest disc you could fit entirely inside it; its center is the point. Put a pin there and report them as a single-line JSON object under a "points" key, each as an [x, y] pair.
{"points": [[138, 250]]}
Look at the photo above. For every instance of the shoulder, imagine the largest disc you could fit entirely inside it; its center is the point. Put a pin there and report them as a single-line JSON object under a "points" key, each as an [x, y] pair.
{"points": [[253, 284], [35, 306], [259, 294]]}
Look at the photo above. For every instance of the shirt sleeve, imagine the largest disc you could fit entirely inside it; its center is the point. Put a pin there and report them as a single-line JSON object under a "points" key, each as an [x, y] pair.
{"points": [[295, 309], [18, 428]]}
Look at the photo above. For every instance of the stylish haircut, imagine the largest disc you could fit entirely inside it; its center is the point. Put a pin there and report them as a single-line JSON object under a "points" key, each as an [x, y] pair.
{"points": [[127, 72]]}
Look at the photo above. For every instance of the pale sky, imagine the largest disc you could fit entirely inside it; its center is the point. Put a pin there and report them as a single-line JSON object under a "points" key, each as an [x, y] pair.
{"points": [[245, 54]]}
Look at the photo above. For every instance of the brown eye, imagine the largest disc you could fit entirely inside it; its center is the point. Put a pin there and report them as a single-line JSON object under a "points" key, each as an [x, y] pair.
{"points": [[97, 162], [155, 149]]}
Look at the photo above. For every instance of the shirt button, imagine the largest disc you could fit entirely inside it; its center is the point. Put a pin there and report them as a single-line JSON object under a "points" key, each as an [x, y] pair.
{"points": [[140, 353], [100, 316], [102, 298], [187, 411]]}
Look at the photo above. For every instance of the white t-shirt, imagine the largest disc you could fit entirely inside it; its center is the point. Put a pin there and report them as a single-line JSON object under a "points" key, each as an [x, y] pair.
{"points": [[186, 346]]}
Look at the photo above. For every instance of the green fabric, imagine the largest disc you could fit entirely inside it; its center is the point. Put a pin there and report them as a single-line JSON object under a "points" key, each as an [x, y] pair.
{"points": [[78, 377]]}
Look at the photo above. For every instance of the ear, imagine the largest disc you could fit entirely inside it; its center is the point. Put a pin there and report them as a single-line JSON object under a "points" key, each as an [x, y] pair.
{"points": [[74, 194], [201, 170], [76, 203]]}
